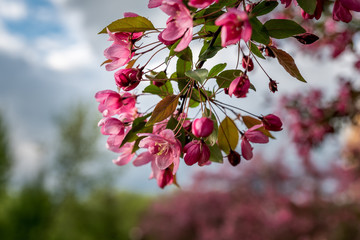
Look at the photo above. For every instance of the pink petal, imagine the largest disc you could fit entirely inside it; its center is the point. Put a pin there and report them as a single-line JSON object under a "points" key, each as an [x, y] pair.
{"points": [[143, 159], [154, 3], [246, 149]]}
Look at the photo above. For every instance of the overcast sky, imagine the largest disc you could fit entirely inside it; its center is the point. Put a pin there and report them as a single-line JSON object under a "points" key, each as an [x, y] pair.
{"points": [[49, 59]]}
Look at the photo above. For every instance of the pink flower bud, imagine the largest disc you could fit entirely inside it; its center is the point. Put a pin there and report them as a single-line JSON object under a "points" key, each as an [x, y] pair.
{"points": [[196, 152], [202, 127], [239, 86], [272, 122], [247, 63], [234, 158], [128, 78]]}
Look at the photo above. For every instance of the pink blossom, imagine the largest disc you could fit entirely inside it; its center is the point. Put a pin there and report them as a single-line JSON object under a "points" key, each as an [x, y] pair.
{"points": [[111, 126], [341, 11], [154, 3], [109, 102], [254, 136], [120, 52], [164, 148], [235, 26], [128, 78], [272, 122], [202, 127], [196, 152], [201, 3], [239, 86], [164, 177], [179, 25], [125, 154]]}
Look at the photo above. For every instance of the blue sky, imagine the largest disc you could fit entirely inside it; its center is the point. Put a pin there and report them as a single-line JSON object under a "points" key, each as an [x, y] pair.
{"points": [[49, 59]]}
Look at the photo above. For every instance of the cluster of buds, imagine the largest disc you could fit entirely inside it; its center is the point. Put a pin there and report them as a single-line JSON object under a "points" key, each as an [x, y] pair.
{"points": [[167, 133]]}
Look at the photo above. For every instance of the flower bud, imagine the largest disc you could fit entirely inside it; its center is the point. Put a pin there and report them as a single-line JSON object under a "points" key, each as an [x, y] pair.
{"points": [[196, 152], [239, 86], [272, 122], [273, 86], [128, 78], [247, 63], [158, 83], [202, 127], [234, 158]]}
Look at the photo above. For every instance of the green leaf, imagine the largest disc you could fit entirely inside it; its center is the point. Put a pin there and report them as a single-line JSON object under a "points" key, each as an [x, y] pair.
{"points": [[198, 75], [288, 63], [164, 109], [228, 136], [182, 67], [130, 24], [216, 69], [264, 8], [259, 32], [212, 138], [138, 126], [162, 91], [215, 154], [283, 28], [254, 49], [193, 103], [225, 78], [308, 6]]}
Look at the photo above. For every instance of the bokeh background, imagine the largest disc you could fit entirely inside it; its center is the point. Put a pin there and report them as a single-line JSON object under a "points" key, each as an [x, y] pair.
{"points": [[58, 180]]}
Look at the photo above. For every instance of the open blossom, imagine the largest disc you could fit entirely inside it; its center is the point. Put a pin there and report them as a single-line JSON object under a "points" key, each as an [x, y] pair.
{"points": [[239, 86], [202, 127], [109, 102], [254, 136], [178, 26], [128, 78], [196, 152], [164, 177], [121, 50], [341, 11], [111, 126], [201, 3], [163, 148], [125, 154], [235, 26]]}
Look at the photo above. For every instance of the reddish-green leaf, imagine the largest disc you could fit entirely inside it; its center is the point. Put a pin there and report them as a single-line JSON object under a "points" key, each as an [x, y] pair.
{"points": [[164, 109], [130, 24], [288, 63], [228, 135]]}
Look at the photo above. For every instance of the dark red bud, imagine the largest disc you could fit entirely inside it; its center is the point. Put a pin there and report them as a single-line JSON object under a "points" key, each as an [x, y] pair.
{"points": [[273, 86], [158, 83], [247, 63], [234, 158]]}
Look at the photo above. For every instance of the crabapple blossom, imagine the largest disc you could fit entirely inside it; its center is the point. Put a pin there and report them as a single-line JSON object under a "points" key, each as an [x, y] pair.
{"points": [[111, 126], [201, 3], [126, 154], [128, 78], [196, 152], [202, 127], [235, 26], [110, 102], [341, 11], [179, 25], [239, 86], [164, 148], [254, 136]]}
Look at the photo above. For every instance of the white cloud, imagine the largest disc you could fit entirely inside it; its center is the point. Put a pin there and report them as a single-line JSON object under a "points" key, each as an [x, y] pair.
{"points": [[13, 10], [70, 58], [10, 43]]}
